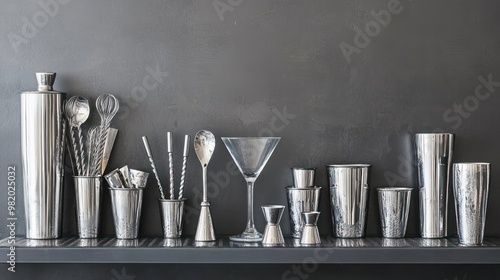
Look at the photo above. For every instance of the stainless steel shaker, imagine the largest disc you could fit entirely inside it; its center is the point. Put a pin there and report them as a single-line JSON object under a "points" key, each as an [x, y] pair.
{"points": [[434, 155], [42, 151]]}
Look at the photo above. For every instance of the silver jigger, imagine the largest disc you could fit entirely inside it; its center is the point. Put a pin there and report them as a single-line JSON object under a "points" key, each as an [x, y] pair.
{"points": [[272, 234], [310, 232], [303, 177], [301, 200], [205, 230]]}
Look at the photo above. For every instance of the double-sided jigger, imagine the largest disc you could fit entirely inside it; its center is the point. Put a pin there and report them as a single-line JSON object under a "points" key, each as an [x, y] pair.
{"points": [[171, 209], [126, 187], [272, 234], [394, 205], [303, 196], [310, 233]]}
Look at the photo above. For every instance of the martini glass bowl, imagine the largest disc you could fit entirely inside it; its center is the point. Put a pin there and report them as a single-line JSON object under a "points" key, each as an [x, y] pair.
{"points": [[250, 155]]}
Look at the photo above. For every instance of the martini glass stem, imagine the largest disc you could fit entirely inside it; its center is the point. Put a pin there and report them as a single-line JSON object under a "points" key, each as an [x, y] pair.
{"points": [[250, 223]]}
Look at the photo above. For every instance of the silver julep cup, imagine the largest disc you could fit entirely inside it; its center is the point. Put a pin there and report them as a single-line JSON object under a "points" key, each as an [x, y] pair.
{"points": [[301, 200], [471, 183], [303, 177], [349, 198], [127, 205], [171, 213], [394, 206], [434, 156], [88, 192]]}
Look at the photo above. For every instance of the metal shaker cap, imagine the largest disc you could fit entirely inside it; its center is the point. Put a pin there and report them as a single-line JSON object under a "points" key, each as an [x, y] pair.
{"points": [[45, 80]]}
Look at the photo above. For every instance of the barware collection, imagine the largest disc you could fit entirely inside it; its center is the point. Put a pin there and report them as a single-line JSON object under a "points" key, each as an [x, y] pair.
{"points": [[49, 121]]}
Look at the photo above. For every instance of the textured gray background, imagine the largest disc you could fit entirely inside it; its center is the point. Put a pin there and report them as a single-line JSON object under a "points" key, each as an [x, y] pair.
{"points": [[236, 73]]}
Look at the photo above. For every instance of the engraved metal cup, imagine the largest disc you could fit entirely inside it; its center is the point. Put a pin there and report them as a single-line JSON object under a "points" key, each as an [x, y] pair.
{"points": [[471, 182], [171, 212], [301, 200], [127, 205], [394, 206], [88, 191]]}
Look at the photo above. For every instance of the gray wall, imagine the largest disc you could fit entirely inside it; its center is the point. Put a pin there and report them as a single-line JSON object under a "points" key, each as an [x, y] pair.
{"points": [[244, 68]]}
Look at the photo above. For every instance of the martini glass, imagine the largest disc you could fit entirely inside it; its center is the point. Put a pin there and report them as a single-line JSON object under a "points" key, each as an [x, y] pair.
{"points": [[250, 155]]}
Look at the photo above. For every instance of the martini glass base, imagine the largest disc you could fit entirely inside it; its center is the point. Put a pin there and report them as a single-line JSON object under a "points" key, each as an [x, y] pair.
{"points": [[247, 237]]}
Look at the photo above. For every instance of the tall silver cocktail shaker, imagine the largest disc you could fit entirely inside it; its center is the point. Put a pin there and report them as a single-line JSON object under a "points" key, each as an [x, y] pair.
{"points": [[42, 151], [434, 156]]}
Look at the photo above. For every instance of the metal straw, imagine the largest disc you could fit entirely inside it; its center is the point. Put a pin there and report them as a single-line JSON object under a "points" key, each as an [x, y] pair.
{"points": [[170, 150], [153, 165], [185, 155]]}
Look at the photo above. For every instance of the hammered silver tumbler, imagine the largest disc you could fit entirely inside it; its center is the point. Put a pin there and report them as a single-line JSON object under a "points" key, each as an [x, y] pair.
{"points": [[471, 182], [434, 155], [349, 198], [42, 155], [301, 200], [88, 192], [394, 206], [127, 205], [171, 213]]}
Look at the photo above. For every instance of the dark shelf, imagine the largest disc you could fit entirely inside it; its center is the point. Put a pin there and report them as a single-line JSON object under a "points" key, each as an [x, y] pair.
{"points": [[370, 250]]}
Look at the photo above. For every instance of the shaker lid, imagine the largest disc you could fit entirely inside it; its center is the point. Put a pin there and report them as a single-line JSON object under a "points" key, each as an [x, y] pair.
{"points": [[45, 80]]}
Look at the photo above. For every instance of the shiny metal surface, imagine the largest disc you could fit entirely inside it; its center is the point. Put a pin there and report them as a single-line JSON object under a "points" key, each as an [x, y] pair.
{"points": [[138, 179], [108, 147], [471, 183], [77, 111], [434, 156], [153, 165], [42, 157], [115, 179], [185, 155], [394, 206], [88, 192], [310, 232], [171, 213], [170, 151], [303, 177], [126, 207], [272, 234], [301, 200], [204, 146], [349, 198]]}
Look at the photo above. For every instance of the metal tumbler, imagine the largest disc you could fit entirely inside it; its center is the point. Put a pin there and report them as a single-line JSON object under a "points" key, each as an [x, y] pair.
{"points": [[171, 213], [471, 183], [349, 198], [301, 200], [42, 154], [394, 206], [303, 177], [88, 191], [126, 204], [434, 156]]}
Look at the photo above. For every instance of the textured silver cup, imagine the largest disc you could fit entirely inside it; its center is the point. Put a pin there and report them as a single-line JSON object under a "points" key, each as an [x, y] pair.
{"points": [[349, 198], [303, 177], [138, 178], [471, 182], [126, 205], [116, 180], [394, 206], [171, 213], [272, 234], [434, 156], [88, 191], [301, 200]]}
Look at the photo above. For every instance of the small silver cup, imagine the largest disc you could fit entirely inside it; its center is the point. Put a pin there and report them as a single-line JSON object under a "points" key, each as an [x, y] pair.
{"points": [[301, 200], [88, 191], [310, 232], [272, 234], [127, 205], [171, 212], [138, 179], [394, 206], [303, 177], [471, 182], [349, 198]]}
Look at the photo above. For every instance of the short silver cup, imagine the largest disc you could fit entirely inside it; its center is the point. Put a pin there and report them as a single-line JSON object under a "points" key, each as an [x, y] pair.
{"points": [[127, 205], [301, 200], [88, 191], [471, 182], [349, 198], [303, 177], [394, 206], [434, 156], [171, 213]]}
